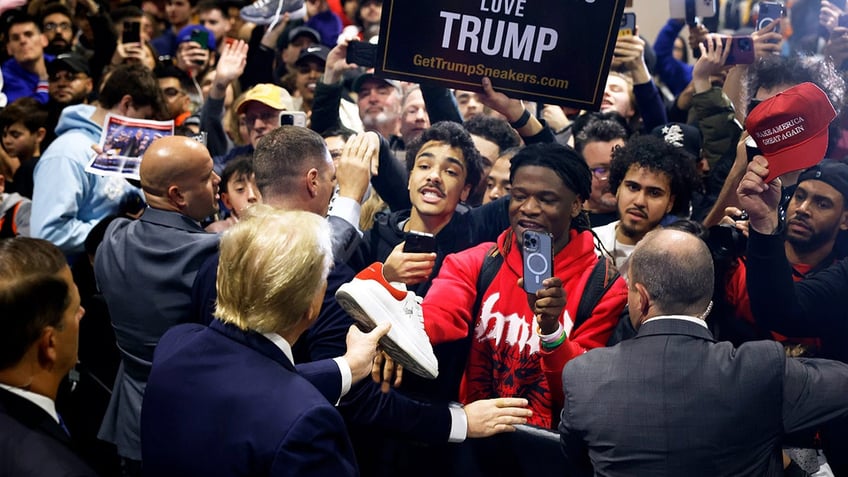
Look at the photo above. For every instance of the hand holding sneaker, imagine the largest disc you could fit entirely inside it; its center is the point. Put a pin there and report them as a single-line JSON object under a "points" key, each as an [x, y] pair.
{"points": [[371, 301], [362, 348]]}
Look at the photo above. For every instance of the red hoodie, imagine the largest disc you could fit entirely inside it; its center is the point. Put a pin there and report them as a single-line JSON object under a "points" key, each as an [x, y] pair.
{"points": [[506, 356]]}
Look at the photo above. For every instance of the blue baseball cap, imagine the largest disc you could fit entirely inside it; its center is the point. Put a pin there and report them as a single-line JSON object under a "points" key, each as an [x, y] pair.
{"points": [[186, 34]]}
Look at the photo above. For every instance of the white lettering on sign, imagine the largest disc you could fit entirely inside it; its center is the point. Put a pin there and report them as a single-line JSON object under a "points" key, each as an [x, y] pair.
{"points": [[509, 7], [510, 40]]}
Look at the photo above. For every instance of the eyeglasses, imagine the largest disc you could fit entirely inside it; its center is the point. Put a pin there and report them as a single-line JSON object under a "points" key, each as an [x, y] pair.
{"points": [[266, 117], [172, 92], [602, 173], [50, 26], [67, 76]]}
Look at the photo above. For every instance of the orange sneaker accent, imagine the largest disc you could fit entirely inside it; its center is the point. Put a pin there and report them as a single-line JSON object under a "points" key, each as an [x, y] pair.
{"points": [[375, 272]]}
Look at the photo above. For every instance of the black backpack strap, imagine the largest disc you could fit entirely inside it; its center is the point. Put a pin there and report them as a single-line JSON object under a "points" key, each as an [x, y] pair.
{"points": [[491, 264], [601, 279], [453, 355]]}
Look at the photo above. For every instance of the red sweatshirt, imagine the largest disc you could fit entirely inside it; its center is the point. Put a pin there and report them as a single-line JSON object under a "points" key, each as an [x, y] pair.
{"points": [[506, 356]]}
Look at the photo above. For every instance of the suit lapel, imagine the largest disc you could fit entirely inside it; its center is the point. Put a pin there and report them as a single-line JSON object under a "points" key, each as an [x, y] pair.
{"points": [[32, 416], [253, 340]]}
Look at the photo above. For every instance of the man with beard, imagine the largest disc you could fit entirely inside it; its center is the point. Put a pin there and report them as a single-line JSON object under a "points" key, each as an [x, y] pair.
{"points": [[651, 178], [58, 26], [596, 143], [815, 216], [68, 82], [96, 40]]}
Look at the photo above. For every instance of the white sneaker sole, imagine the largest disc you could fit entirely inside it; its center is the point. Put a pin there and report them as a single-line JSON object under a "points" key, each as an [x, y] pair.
{"points": [[392, 341]]}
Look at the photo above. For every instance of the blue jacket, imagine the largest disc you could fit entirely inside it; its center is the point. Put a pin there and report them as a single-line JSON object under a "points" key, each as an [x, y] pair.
{"points": [[20, 83], [68, 201]]}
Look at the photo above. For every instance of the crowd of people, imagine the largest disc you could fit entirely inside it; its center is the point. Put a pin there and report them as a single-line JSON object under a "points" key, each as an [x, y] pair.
{"points": [[311, 225]]}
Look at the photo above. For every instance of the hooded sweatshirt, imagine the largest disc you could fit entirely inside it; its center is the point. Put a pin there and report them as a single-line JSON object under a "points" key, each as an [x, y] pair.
{"points": [[506, 358], [67, 201]]}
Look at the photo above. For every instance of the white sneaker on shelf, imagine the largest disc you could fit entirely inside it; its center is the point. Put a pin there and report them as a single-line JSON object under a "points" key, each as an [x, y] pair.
{"points": [[268, 12], [372, 300]]}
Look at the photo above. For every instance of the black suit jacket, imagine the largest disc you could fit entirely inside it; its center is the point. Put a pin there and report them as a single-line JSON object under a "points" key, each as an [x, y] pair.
{"points": [[33, 444], [673, 401]]}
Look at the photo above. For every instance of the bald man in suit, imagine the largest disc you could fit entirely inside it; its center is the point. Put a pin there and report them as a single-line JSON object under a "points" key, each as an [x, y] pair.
{"points": [[672, 400]]}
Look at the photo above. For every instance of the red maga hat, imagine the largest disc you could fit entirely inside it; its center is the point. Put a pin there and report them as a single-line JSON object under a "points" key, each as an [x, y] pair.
{"points": [[790, 128]]}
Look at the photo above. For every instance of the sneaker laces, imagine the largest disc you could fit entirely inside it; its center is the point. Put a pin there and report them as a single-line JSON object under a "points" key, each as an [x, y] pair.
{"points": [[414, 310], [276, 14]]}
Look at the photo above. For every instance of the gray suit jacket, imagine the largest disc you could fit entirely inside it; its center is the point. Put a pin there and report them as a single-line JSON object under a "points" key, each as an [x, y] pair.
{"points": [[673, 401], [145, 269]]}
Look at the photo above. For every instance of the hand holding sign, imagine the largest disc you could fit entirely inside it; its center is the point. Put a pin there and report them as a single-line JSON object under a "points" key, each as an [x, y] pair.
{"points": [[511, 109]]}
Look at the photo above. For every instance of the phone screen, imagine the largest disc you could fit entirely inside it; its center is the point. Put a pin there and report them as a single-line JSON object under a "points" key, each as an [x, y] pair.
{"points": [[131, 32], [200, 37], [419, 242]]}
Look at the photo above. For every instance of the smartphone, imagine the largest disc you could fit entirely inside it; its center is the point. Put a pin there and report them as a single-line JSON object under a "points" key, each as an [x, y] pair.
{"points": [[741, 50], [751, 148], [843, 20], [419, 242], [769, 12], [361, 53], [293, 118], [691, 9], [538, 259], [200, 37], [628, 24], [131, 32]]}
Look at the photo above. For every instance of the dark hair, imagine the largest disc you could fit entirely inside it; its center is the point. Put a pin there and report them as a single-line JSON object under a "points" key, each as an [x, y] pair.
{"points": [[493, 129], [171, 71], [658, 156], [134, 80], [27, 110], [32, 296], [775, 70], [239, 166], [342, 131], [582, 121], [52, 8], [568, 166], [285, 154], [18, 16], [454, 135], [599, 129], [122, 13], [208, 5]]}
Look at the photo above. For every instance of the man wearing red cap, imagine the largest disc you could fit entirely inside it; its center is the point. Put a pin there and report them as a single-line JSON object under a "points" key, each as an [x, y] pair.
{"points": [[814, 306]]}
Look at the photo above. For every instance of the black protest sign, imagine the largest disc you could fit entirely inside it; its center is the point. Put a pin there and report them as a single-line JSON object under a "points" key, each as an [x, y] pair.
{"points": [[553, 51]]}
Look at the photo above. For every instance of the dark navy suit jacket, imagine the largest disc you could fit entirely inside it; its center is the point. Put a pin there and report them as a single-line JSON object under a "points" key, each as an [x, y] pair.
{"points": [[221, 401], [33, 444], [365, 405]]}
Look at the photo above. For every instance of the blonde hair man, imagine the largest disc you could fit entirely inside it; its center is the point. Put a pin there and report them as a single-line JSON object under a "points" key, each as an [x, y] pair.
{"points": [[228, 396]]}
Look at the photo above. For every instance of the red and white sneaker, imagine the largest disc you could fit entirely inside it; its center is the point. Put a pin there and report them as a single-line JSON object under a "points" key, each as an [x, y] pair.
{"points": [[372, 300]]}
